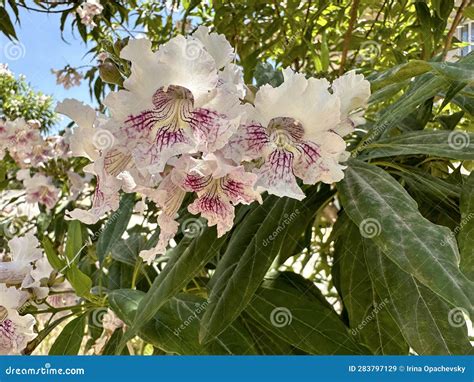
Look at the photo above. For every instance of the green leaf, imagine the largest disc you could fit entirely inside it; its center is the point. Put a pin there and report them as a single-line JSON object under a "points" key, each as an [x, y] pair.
{"points": [[466, 228], [115, 226], [175, 326], [429, 324], [469, 12], [6, 25], [454, 71], [443, 8], [185, 263], [300, 319], [272, 229], [111, 345], [368, 317], [399, 74], [126, 251], [73, 242], [448, 144], [52, 256], [69, 340], [81, 283], [248, 257], [424, 17], [384, 211]]}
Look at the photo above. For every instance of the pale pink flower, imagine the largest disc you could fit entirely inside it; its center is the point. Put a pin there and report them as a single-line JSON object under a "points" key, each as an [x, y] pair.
{"points": [[87, 10], [15, 330]]}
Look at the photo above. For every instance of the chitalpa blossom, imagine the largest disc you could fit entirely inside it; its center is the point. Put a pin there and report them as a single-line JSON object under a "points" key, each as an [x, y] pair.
{"points": [[23, 141], [39, 188], [67, 77], [179, 131], [24, 279], [295, 131], [15, 330], [87, 10]]}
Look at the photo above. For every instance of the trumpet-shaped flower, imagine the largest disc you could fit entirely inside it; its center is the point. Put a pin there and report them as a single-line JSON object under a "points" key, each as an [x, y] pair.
{"points": [[291, 131], [39, 189], [15, 330], [174, 102], [219, 186]]}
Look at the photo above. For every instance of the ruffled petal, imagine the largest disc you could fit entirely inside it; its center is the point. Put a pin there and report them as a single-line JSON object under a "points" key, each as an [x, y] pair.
{"points": [[276, 175], [216, 208], [81, 141], [238, 186], [320, 161], [216, 45], [251, 141], [354, 91], [188, 64]]}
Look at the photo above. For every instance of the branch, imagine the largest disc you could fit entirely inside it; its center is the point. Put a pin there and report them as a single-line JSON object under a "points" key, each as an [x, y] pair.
{"points": [[454, 25], [348, 35]]}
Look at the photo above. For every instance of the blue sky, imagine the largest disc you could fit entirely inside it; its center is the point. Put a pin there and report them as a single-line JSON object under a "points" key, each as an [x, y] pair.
{"points": [[43, 49]]}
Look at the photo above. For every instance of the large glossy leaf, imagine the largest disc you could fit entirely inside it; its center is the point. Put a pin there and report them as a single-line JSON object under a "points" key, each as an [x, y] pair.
{"points": [[448, 144], [369, 319], [300, 319], [69, 340], [115, 226], [185, 263], [387, 214], [425, 87], [175, 327], [273, 228], [466, 228], [429, 324]]}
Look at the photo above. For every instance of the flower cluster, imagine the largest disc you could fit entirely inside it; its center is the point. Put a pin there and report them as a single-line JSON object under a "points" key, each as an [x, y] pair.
{"points": [[26, 146], [67, 77], [179, 127], [87, 10], [25, 275]]}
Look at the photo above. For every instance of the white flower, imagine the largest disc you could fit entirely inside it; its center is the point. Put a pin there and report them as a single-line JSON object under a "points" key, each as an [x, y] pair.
{"points": [[354, 91], [174, 102], [39, 189], [67, 77], [291, 128], [23, 141], [15, 330], [4, 71], [81, 140], [87, 10], [24, 252]]}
